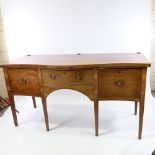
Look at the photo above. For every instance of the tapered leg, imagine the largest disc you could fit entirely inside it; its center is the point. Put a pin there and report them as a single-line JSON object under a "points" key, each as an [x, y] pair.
{"points": [[45, 113], [34, 102], [96, 113], [142, 102], [13, 109], [141, 112], [136, 104]]}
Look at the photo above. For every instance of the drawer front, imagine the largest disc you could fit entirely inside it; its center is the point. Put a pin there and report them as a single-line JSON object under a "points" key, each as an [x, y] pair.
{"points": [[67, 78], [119, 84], [23, 81]]}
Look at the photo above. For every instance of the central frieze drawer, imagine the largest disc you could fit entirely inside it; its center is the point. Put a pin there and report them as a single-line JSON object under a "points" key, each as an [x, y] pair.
{"points": [[123, 84], [24, 81], [67, 78]]}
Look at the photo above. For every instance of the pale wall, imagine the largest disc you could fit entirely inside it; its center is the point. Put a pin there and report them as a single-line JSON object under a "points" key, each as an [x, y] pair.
{"points": [[3, 58], [86, 26], [153, 48]]}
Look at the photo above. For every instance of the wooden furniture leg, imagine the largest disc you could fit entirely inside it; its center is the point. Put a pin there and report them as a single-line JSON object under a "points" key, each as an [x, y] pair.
{"points": [[13, 109], [141, 103], [141, 112], [45, 113], [34, 102], [136, 104], [96, 113], [153, 153]]}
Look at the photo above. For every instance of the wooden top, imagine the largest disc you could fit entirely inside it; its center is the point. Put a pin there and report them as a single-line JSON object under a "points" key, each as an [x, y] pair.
{"points": [[81, 61]]}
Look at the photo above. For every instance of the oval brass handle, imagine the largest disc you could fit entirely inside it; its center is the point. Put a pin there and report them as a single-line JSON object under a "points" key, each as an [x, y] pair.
{"points": [[23, 80], [78, 77], [53, 77], [119, 83]]}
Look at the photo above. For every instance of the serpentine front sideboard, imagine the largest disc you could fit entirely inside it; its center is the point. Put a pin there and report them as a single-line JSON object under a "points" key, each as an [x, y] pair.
{"points": [[115, 76]]}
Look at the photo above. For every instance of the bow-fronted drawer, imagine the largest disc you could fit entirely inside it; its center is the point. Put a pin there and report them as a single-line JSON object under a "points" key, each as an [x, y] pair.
{"points": [[58, 78], [24, 81]]}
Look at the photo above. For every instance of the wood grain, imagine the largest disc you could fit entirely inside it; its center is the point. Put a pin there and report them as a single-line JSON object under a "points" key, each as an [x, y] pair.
{"points": [[119, 84], [82, 61], [23, 81], [67, 78]]}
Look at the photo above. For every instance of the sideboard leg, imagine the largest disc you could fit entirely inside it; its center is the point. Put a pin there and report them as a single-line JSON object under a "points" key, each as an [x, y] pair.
{"points": [[96, 113], [45, 113], [136, 104], [34, 102], [13, 109], [141, 112], [142, 102]]}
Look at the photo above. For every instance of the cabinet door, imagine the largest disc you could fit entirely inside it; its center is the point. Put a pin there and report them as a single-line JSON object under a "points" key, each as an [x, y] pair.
{"points": [[119, 84], [24, 81]]}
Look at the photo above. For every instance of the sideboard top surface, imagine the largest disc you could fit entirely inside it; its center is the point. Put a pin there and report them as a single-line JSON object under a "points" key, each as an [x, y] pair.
{"points": [[81, 60]]}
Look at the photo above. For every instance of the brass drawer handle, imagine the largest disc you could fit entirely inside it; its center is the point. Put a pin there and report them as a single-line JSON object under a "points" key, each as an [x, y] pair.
{"points": [[119, 83], [53, 77], [78, 77], [24, 81]]}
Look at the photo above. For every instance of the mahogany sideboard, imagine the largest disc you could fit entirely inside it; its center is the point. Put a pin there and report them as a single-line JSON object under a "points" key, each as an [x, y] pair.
{"points": [[115, 76]]}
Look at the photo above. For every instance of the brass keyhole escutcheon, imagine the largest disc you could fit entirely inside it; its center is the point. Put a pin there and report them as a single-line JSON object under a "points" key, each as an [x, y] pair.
{"points": [[24, 81], [78, 77], [119, 83], [53, 77]]}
